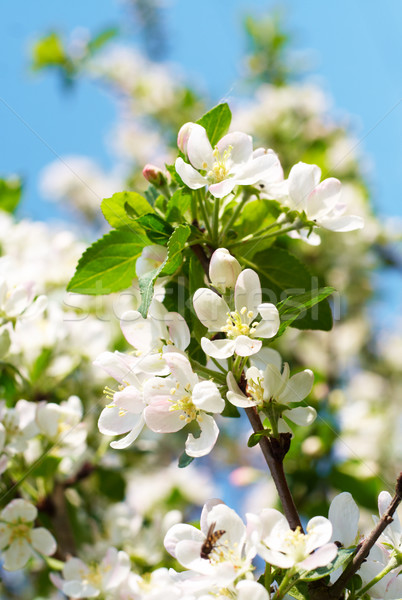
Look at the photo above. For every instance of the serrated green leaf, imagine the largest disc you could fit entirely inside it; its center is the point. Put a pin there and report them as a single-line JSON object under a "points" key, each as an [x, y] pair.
{"points": [[172, 262], [216, 122], [178, 204], [343, 556], [10, 194], [115, 209], [283, 275], [185, 460], [109, 264], [156, 228]]}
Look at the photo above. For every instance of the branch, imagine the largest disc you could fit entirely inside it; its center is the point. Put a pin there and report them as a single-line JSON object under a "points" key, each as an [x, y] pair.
{"points": [[368, 543]]}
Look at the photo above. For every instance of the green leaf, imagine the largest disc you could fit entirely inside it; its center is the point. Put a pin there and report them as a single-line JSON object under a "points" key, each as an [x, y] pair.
{"points": [[296, 306], [283, 275], [216, 122], [111, 484], [185, 460], [172, 262], [344, 554], [177, 206], [299, 591], [109, 264], [48, 51], [99, 40], [196, 281], [115, 209], [10, 193], [156, 228], [47, 467], [254, 438], [230, 410]]}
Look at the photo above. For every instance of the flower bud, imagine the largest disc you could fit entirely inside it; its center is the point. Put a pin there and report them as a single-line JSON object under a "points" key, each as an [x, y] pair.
{"points": [[154, 175], [224, 270], [184, 135]]}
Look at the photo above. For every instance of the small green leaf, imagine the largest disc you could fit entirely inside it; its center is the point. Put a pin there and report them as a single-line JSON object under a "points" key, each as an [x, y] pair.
{"points": [[299, 591], [172, 262], [344, 554], [216, 122], [230, 411], [109, 264], [254, 438], [10, 193], [185, 460], [115, 209], [156, 228], [177, 206], [48, 51], [99, 40], [295, 306]]}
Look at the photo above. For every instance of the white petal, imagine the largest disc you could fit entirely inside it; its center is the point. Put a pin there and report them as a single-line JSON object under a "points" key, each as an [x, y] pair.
{"points": [[114, 421], [248, 291], [274, 528], [253, 171], [275, 558], [75, 568], [301, 415], [265, 357], [199, 149], [298, 387], [235, 395], [17, 555], [303, 179], [322, 557], [274, 382], [180, 368], [246, 346], [181, 532], [251, 589], [130, 399], [223, 188], [116, 566], [128, 439], [78, 589], [211, 309], [218, 348], [324, 198], [192, 178], [270, 323], [206, 441], [206, 509], [320, 532], [188, 553], [229, 521], [178, 330], [43, 541], [160, 419], [341, 224], [344, 516], [241, 146], [206, 396], [139, 332], [19, 509]]}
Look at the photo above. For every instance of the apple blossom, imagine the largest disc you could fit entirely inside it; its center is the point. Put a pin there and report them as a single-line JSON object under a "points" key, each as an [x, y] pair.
{"points": [[61, 423], [287, 549], [240, 325], [230, 555], [230, 163], [17, 427], [224, 270], [389, 586], [88, 581], [321, 202], [19, 301], [392, 536], [273, 387], [19, 540], [180, 399]]}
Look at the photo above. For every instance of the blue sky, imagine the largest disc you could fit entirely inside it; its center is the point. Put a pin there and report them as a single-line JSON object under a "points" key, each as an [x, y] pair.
{"points": [[355, 52]]}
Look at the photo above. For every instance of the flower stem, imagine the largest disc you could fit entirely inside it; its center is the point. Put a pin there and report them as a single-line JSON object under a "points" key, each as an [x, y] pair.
{"points": [[393, 563], [286, 584], [200, 196], [247, 195], [215, 222]]}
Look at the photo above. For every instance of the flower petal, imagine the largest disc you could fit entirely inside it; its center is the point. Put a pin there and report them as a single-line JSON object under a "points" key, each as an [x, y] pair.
{"points": [[324, 198], [43, 541], [322, 557], [303, 179], [180, 368], [206, 396], [218, 348], [223, 188], [161, 419], [301, 415], [211, 309], [246, 346], [235, 395], [181, 532], [344, 516], [128, 439], [270, 323], [319, 531], [17, 555], [192, 178], [248, 291], [254, 170], [240, 145], [199, 149], [342, 224], [19, 509], [206, 441], [114, 421], [298, 387]]}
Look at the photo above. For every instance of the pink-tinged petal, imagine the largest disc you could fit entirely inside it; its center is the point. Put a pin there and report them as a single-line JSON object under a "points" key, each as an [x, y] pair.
{"points": [[160, 419], [130, 399], [17, 555], [74, 568], [245, 346], [254, 170], [211, 309], [265, 357], [341, 224], [179, 533], [235, 395], [223, 188], [303, 179], [19, 509], [180, 368], [301, 415], [272, 557], [229, 521], [178, 330], [115, 421], [206, 441], [116, 364], [128, 439], [324, 198], [384, 500], [274, 528], [199, 149], [298, 387], [344, 516], [190, 177], [321, 558], [206, 396], [79, 589], [248, 291], [138, 331], [251, 589], [218, 348], [43, 541], [116, 566], [320, 532], [270, 323], [153, 364], [240, 145]]}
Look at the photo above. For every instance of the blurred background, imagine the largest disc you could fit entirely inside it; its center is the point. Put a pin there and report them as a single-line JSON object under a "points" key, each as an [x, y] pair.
{"points": [[90, 92]]}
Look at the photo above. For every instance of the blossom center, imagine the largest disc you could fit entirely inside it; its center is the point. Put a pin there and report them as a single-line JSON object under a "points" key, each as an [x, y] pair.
{"points": [[238, 323], [255, 389], [184, 403], [20, 531], [93, 577], [295, 544], [220, 169]]}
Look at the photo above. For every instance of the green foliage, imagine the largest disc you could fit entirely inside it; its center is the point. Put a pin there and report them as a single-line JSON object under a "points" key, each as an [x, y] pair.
{"points": [[254, 438], [48, 51], [157, 229], [343, 556], [177, 206], [109, 264], [10, 194], [102, 38], [216, 122], [282, 275], [112, 484], [173, 261], [295, 307], [115, 209], [184, 460]]}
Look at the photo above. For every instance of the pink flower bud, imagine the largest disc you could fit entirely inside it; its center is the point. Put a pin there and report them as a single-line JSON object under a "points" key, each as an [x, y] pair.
{"points": [[184, 135], [154, 175], [224, 270]]}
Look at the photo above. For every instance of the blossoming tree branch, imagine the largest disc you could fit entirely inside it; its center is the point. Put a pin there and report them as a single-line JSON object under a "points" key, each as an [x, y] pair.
{"points": [[217, 288]]}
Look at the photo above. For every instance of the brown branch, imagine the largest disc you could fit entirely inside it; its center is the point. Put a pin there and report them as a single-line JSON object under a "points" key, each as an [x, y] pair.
{"points": [[366, 546]]}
